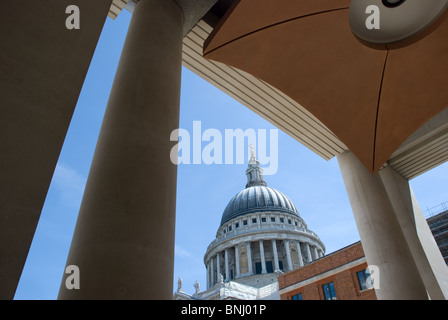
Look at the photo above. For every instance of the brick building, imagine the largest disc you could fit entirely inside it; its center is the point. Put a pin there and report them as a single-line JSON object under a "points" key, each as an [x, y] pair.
{"points": [[340, 275]]}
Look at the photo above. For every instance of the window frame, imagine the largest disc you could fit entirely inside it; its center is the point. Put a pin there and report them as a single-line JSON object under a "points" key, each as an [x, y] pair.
{"points": [[297, 296], [330, 293]]}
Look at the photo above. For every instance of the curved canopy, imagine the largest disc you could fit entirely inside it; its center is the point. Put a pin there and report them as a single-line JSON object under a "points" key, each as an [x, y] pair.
{"points": [[372, 97]]}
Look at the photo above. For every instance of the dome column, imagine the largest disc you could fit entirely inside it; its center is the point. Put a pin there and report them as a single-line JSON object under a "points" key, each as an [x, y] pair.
{"points": [[299, 253], [123, 242], [249, 258], [274, 250], [308, 252], [288, 254], [218, 267], [226, 261], [263, 260], [208, 275], [212, 273], [316, 255], [237, 262]]}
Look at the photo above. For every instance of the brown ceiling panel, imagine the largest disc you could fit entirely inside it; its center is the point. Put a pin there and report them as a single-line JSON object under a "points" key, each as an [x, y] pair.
{"points": [[313, 61], [372, 97], [415, 88], [259, 14]]}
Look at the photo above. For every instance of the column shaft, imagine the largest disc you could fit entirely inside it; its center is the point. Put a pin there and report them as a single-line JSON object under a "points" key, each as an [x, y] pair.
{"points": [[208, 275], [226, 260], [212, 274], [316, 254], [274, 250], [42, 70], [237, 262], [299, 252], [218, 266], [308, 252], [123, 242], [263, 260], [425, 251], [249, 259], [288, 255], [381, 235]]}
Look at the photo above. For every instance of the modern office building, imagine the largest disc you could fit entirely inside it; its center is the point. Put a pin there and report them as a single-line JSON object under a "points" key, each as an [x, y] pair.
{"points": [[438, 223]]}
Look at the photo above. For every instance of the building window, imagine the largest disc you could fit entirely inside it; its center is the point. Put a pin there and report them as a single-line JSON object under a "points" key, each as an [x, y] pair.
{"points": [[237, 225], [254, 220], [289, 221], [245, 222], [263, 219], [329, 291], [230, 228], [269, 268], [363, 275], [257, 267], [282, 220], [297, 297], [272, 219]]}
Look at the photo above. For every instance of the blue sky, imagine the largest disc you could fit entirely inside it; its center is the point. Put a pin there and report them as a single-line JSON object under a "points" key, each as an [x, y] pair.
{"points": [[314, 185]]}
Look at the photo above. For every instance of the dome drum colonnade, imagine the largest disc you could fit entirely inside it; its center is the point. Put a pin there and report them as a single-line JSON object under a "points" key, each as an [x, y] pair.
{"points": [[260, 256]]}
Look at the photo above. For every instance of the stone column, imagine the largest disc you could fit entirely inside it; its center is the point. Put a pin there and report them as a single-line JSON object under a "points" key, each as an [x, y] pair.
{"points": [[299, 252], [274, 250], [316, 255], [218, 267], [208, 275], [263, 260], [123, 242], [226, 261], [42, 70], [308, 252], [212, 274], [237, 263], [288, 255], [425, 251], [320, 252], [249, 259], [380, 232]]}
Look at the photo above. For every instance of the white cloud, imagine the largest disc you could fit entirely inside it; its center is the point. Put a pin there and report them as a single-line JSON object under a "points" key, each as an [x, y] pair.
{"points": [[181, 252], [69, 183]]}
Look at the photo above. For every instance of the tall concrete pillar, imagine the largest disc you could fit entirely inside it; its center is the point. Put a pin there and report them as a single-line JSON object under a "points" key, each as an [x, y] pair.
{"points": [[381, 234], [42, 69], [425, 251], [123, 242]]}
